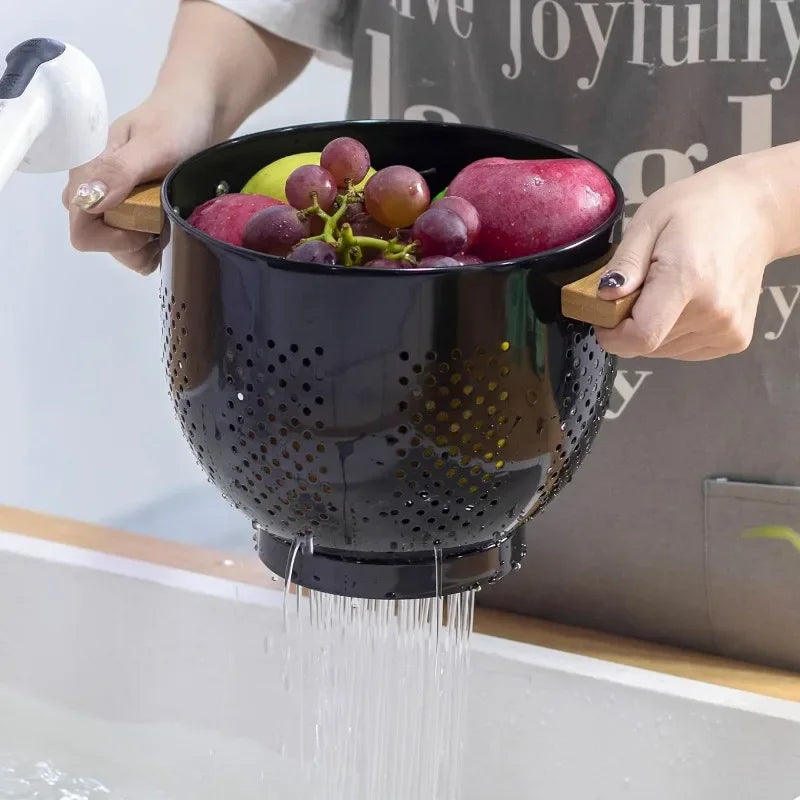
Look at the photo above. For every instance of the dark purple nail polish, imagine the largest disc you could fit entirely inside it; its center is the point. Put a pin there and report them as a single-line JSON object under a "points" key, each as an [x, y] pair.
{"points": [[612, 280]]}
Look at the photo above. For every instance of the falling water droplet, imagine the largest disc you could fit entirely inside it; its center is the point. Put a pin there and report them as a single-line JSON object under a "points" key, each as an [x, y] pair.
{"points": [[295, 549]]}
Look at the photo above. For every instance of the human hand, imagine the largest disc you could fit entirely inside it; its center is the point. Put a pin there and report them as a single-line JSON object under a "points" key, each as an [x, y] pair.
{"points": [[697, 249], [143, 145]]}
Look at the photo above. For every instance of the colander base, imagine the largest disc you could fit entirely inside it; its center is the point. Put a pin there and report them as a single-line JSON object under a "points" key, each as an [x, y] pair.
{"points": [[373, 577]]}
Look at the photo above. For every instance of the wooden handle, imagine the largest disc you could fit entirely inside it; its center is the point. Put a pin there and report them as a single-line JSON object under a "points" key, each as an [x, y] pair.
{"points": [[579, 301], [140, 212]]}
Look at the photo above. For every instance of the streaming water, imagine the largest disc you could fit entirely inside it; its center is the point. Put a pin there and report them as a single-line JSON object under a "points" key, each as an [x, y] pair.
{"points": [[42, 780], [378, 692], [39, 779], [381, 685], [295, 549]]}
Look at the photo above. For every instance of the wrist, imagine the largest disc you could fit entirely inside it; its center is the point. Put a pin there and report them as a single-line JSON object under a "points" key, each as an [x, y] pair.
{"points": [[189, 108], [194, 103], [773, 181]]}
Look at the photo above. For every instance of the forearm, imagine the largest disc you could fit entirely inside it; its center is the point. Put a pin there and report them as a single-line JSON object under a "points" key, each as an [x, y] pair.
{"points": [[224, 66], [777, 172]]}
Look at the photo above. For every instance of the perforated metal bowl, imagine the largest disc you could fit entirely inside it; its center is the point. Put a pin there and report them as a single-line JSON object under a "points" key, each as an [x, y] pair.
{"points": [[404, 424]]}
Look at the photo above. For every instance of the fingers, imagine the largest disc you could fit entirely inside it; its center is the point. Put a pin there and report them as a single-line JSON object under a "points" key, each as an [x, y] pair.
{"points": [[144, 261], [659, 307], [705, 332], [118, 135], [140, 252], [703, 354], [89, 234], [109, 179], [627, 270], [105, 182], [698, 274], [663, 295], [679, 346]]}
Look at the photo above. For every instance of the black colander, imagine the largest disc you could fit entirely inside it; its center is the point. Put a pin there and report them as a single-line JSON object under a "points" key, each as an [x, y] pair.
{"points": [[401, 424]]}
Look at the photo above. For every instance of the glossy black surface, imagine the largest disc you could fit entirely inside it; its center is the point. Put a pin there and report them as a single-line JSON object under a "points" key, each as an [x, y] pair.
{"points": [[376, 577], [383, 413]]}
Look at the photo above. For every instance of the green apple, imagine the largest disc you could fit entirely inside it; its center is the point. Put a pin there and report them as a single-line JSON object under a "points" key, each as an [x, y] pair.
{"points": [[271, 180]]}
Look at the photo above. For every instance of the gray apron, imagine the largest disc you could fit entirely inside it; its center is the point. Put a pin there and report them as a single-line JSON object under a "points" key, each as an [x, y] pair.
{"points": [[649, 538]]}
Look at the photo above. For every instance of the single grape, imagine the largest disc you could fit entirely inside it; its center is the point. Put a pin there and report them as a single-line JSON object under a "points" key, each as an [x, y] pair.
{"points": [[354, 210], [314, 253], [439, 261], [386, 263], [405, 235], [365, 225], [466, 211], [440, 232], [396, 196], [467, 259], [346, 159], [275, 230], [307, 180]]}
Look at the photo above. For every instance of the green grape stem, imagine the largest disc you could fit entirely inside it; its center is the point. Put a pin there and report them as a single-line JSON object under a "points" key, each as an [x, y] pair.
{"points": [[349, 247]]}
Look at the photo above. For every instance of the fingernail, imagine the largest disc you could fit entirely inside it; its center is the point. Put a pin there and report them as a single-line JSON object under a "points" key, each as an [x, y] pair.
{"points": [[612, 280], [89, 195]]}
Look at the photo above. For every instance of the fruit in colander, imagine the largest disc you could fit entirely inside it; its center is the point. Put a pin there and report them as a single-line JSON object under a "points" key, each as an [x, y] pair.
{"points": [[347, 160], [271, 179], [467, 212], [526, 207], [440, 232], [226, 216], [395, 196], [276, 230], [341, 211]]}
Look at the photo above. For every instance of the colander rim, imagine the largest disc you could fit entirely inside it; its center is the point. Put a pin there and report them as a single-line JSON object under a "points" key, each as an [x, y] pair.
{"points": [[277, 262]]}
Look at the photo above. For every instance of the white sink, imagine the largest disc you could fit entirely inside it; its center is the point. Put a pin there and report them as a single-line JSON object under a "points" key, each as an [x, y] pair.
{"points": [[156, 680]]}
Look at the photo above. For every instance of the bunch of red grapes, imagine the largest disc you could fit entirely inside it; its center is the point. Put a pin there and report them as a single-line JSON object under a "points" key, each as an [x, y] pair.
{"points": [[391, 224]]}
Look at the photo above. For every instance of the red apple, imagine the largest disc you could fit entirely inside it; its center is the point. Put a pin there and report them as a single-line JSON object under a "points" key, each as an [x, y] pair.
{"points": [[528, 206], [225, 217]]}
